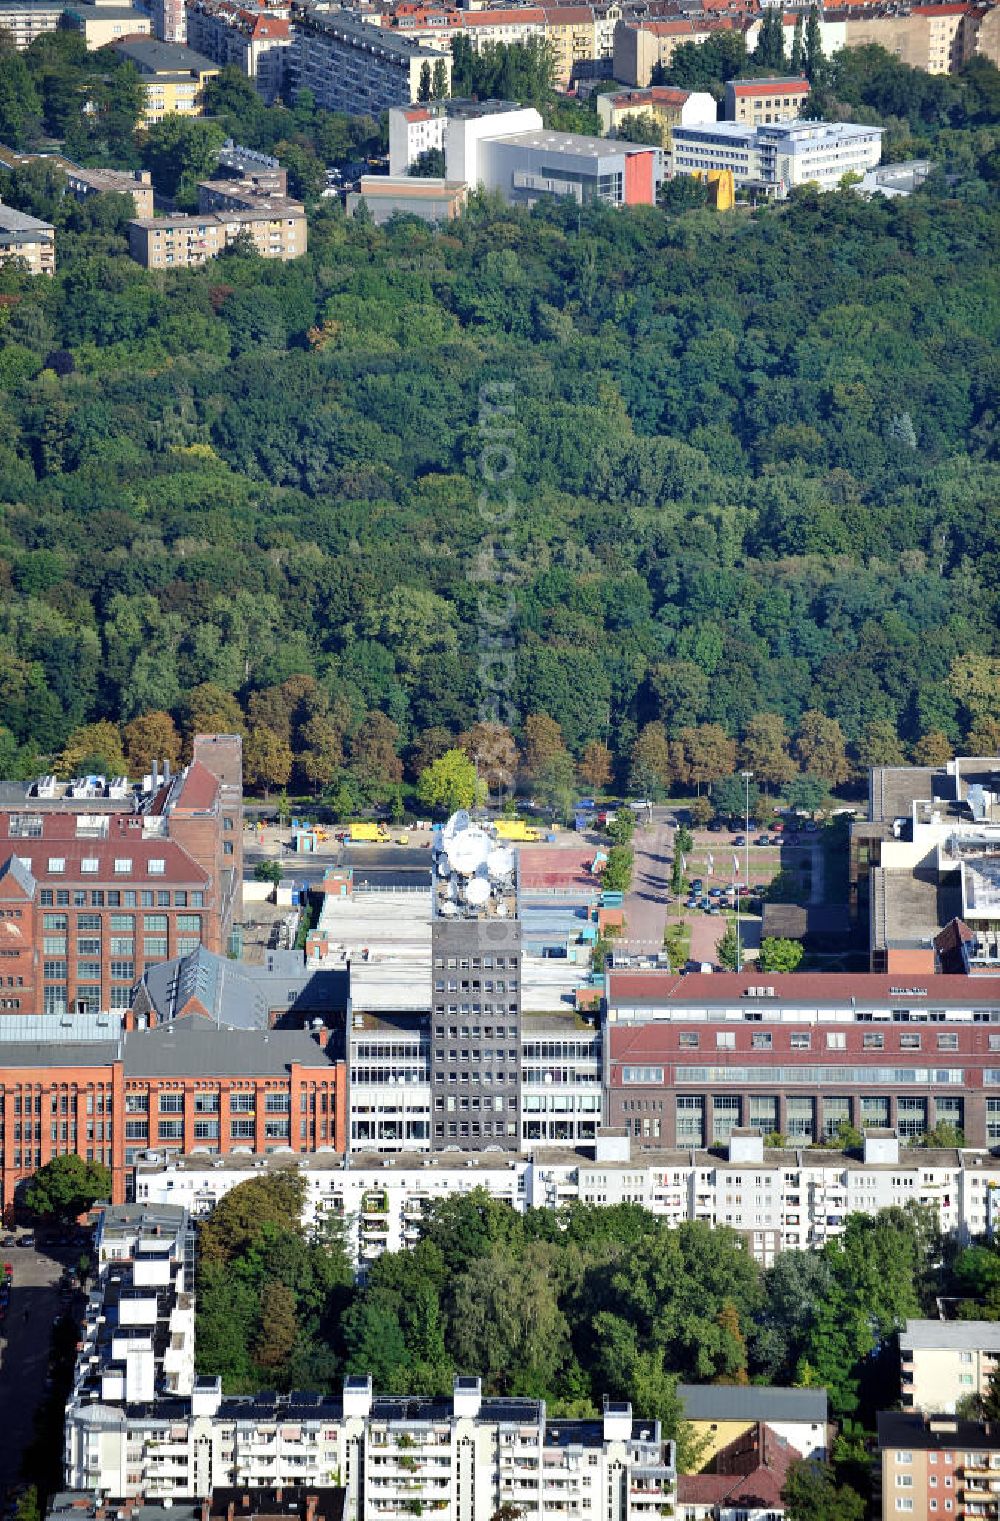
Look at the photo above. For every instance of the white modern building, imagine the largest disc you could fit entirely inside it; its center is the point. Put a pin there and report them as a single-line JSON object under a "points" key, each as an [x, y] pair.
{"points": [[775, 159], [463, 1457], [946, 1361], [137, 1341], [778, 1200]]}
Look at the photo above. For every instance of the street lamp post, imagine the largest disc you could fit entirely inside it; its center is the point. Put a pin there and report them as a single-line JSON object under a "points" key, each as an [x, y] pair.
{"points": [[747, 777]]}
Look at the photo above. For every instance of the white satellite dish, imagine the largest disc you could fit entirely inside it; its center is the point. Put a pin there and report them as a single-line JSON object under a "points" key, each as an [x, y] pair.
{"points": [[500, 863], [478, 891]]}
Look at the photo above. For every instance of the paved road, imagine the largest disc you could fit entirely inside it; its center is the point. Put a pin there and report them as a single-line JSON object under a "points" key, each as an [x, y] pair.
{"points": [[24, 1351], [646, 902]]}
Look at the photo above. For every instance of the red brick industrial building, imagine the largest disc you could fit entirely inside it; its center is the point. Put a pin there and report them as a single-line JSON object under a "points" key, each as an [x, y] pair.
{"points": [[94, 888], [186, 1086]]}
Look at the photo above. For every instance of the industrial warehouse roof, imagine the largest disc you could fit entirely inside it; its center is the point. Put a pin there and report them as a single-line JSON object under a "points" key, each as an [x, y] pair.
{"points": [[197, 1047]]}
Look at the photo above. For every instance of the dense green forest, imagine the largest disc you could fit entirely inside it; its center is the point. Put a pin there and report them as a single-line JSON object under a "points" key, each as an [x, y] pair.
{"points": [[752, 486], [571, 1305]]}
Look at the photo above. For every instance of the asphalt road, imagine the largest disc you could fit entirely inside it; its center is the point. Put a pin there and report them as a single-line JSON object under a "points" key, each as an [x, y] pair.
{"points": [[24, 1350]]}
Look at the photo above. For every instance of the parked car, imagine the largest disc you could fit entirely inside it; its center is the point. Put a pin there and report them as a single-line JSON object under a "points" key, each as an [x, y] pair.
{"points": [[27, 1240], [716, 826], [696, 884], [762, 839], [9, 1241], [740, 839], [716, 892]]}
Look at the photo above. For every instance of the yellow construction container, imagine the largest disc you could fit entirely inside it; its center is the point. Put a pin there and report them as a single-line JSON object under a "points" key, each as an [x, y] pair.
{"points": [[368, 833], [517, 832]]}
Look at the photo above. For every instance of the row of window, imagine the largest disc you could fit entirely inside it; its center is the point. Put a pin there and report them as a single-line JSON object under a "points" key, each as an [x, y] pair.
{"points": [[207, 1130], [836, 1040], [64, 897], [476, 963]]}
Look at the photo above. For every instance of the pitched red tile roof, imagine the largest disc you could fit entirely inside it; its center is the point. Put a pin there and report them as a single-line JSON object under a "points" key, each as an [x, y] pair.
{"points": [[770, 86], [179, 869], [199, 788]]}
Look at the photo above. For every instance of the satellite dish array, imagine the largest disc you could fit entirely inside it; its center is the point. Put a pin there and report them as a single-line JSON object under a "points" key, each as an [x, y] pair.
{"points": [[473, 868]]}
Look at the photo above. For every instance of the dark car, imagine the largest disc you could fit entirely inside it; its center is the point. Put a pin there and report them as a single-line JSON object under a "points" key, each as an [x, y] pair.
{"points": [[740, 839], [9, 1241], [696, 885], [762, 839], [716, 826], [28, 1240]]}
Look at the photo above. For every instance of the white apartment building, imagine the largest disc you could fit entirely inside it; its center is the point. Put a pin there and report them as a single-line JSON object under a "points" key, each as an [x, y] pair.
{"points": [[778, 1200], [137, 1341], [945, 1361], [414, 130], [462, 1457], [777, 158]]}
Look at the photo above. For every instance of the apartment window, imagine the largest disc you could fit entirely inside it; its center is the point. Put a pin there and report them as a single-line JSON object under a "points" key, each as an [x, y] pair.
{"points": [[123, 865], [155, 924], [89, 945], [206, 1130], [90, 864], [800, 1119], [641, 1075], [122, 945], [57, 864], [157, 866], [276, 1130], [947, 1040], [197, 900], [874, 1040], [207, 1103], [171, 1103], [154, 946], [90, 997], [760, 1040], [688, 1040], [801, 1040], [137, 1103], [120, 998], [54, 971], [136, 1130], [836, 1040], [277, 1103], [54, 945], [725, 1040], [55, 921], [88, 971], [909, 1041], [241, 1130]]}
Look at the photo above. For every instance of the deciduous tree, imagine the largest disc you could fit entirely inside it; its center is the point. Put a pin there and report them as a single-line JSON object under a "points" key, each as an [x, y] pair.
{"points": [[821, 749], [152, 737], [448, 782]]}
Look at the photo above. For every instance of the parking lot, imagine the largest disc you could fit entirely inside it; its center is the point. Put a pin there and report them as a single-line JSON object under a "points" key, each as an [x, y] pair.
{"points": [[25, 1337]]}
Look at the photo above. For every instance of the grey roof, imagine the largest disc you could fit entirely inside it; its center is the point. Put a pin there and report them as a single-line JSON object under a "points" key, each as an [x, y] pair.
{"points": [[156, 57], [32, 1028], [950, 1335], [241, 995], [16, 868], [935, 1433], [750, 1402], [74, 1053], [197, 1047], [19, 221], [360, 33]]}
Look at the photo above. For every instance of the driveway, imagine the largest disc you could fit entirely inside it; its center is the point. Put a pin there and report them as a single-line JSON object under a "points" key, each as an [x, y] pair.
{"points": [[646, 900]]}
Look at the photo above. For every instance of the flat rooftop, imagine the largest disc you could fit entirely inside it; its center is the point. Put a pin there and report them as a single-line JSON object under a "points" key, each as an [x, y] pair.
{"points": [[950, 1335], [908, 908], [575, 144]]}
